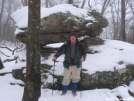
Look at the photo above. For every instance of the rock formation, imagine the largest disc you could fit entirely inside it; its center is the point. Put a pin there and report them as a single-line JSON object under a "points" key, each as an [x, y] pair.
{"points": [[57, 26]]}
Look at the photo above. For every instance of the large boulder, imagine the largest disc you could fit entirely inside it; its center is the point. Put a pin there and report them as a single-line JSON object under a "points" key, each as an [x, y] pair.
{"points": [[61, 20], [66, 22], [106, 79]]}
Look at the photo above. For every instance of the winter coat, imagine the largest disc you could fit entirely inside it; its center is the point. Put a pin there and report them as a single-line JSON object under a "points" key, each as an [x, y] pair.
{"points": [[66, 49]]}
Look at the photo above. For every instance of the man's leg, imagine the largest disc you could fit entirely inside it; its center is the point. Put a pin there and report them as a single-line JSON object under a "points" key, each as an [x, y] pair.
{"points": [[66, 80], [75, 79]]}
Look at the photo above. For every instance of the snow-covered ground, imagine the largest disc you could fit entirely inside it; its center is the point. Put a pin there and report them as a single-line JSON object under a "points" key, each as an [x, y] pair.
{"points": [[108, 57]]}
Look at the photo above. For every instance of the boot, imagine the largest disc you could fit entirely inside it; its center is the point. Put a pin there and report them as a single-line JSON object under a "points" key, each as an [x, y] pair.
{"points": [[64, 89], [74, 92], [74, 88], [64, 92]]}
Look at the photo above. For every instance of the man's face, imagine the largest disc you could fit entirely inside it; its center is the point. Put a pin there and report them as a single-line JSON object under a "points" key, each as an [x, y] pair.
{"points": [[73, 39]]}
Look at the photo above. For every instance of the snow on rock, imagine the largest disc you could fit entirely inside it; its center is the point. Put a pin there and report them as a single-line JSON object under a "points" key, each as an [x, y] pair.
{"points": [[131, 85], [18, 31], [109, 56], [122, 91], [21, 16]]}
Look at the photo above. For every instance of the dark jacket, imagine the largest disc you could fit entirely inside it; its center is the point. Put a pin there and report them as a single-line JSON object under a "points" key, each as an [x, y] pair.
{"points": [[66, 48]]}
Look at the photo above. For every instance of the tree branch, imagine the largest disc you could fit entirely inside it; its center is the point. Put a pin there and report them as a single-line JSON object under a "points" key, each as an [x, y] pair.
{"points": [[89, 4], [4, 54], [9, 60], [83, 3], [6, 48], [15, 50]]}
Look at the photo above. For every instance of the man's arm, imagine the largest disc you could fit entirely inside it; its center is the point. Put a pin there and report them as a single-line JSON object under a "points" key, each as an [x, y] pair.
{"points": [[82, 52], [60, 52]]}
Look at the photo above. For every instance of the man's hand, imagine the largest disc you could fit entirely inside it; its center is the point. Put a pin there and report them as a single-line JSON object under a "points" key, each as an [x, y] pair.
{"points": [[82, 59], [54, 58]]}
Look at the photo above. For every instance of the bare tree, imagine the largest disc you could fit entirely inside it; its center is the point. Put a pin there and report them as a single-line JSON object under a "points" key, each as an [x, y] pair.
{"points": [[46, 2], [115, 11], [131, 5], [89, 4], [121, 19], [123, 33], [7, 25], [113, 21], [83, 3], [24, 2], [104, 6], [1, 14], [32, 89], [130, 22], [51, 3], [70, 1]]}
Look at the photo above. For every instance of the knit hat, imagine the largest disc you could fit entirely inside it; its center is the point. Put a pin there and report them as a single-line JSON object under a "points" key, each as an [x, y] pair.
{"points": [[73, 34]]}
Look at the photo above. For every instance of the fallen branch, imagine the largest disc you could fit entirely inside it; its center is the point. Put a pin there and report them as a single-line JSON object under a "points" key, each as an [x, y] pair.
{"points": [[15, 50], [2, 74], [6, 48], [4, 53], [9, 60]]}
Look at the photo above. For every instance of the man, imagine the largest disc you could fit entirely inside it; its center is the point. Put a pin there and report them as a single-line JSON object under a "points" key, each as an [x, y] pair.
{"points": [[74, 56]]}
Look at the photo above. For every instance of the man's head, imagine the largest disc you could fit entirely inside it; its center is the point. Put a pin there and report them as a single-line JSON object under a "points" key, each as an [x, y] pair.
{"points": [[73, 37]]}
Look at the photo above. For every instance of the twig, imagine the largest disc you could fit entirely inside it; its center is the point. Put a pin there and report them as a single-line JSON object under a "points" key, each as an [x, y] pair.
{"points": [[8, 60], [6, 48], [15, 50], [1, 74], [3, 53]]}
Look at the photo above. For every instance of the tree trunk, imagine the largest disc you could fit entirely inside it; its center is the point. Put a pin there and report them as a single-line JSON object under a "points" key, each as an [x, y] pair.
{"points": [[1, 64], [118, 22], [70, 1], [83, 3], [46, 3], [32, 89], [113, 21], [104, 6], [1, 13], [24, 2], [130, 3], [123, 34]]}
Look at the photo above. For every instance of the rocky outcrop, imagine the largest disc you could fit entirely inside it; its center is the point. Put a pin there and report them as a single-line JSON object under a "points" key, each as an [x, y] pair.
{"points": [[106, 79], [18, 74], [58, 26]]}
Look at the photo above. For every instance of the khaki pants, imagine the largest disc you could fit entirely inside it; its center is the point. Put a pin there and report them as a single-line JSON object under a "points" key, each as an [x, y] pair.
{"points": [[72, 73]]}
